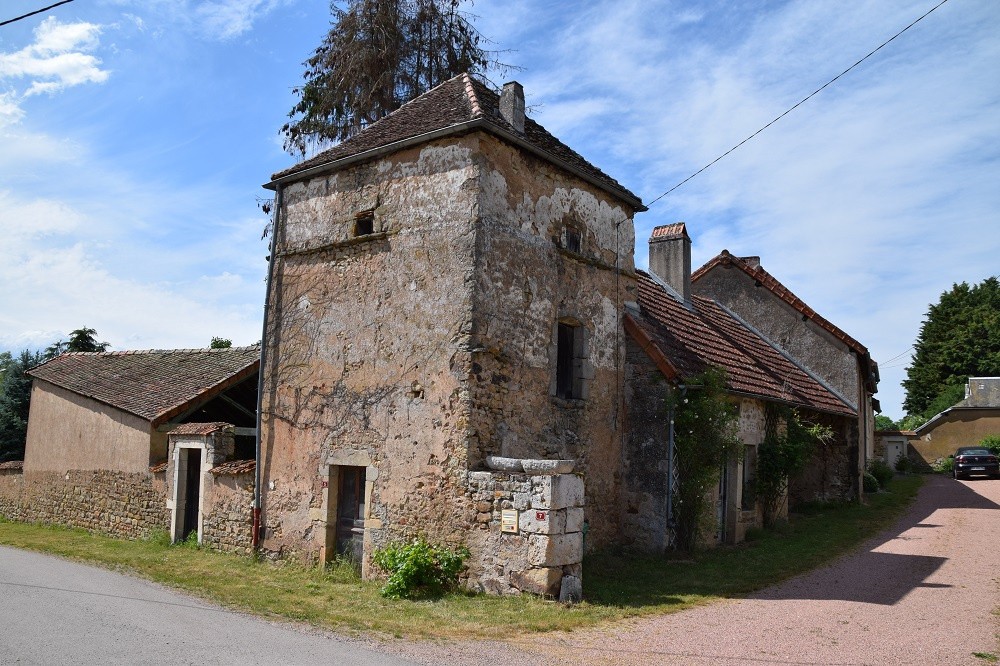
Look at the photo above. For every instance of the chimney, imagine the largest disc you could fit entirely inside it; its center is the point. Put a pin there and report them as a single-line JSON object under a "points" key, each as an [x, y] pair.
{"points": [[670, 257], [752, 262], [512, 105]]}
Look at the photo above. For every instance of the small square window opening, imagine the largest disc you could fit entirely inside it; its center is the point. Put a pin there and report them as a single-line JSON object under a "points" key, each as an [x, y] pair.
{"points": [[364, 224], [571, 239]]}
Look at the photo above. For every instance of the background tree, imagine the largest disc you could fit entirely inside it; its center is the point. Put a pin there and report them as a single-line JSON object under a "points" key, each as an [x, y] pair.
{"points": [[220, 343], [15, 396], [85, 340], [960, 338], [378, 55], [883, 422]]}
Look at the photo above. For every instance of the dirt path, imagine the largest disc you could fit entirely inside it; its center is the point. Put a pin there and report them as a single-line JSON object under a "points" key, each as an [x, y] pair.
{"points": [[923, 592]]}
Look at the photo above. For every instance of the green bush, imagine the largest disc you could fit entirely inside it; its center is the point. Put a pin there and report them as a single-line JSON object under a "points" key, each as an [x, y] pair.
{"points": [[904, 465], [869, 483], [881, 471], [991, 442], [418, 569], [943, 465]]}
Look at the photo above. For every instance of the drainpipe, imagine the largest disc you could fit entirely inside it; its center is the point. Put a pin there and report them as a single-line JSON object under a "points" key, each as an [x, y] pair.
{"points": [[255, 537]]}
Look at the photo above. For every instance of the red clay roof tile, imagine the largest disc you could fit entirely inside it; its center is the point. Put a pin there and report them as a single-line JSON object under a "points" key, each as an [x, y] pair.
{"points": [[707, 335], [156, 384], [234, 468]]}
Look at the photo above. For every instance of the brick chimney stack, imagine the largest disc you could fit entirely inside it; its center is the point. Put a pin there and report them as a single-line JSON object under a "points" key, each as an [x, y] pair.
{"points": [[512, 105], [670, 257]]}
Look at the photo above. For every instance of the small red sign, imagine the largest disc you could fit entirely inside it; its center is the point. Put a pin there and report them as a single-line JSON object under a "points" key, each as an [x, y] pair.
{"points": [[326, 484], [539, 515]]}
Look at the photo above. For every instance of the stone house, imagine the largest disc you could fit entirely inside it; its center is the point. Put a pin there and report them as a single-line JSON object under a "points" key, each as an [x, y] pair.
{"points": [[98, 429], [832, 357], [447, 286], [964, 424], [676, 334]]}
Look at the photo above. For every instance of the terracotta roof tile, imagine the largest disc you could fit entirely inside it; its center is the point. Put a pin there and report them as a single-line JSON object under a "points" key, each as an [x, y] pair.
{"points": [[156, 384], [234, 468], [158, 468], [457, 103], [199, 428], [707, 335], [752, 268], [12, 464]]}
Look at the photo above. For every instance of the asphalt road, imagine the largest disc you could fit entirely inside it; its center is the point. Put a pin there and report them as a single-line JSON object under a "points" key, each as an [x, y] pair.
{"points": [[57, 612]]}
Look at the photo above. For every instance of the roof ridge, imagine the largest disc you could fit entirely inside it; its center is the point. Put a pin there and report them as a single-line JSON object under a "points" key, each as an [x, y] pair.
{"points": [[470, 92], [132, 352]]}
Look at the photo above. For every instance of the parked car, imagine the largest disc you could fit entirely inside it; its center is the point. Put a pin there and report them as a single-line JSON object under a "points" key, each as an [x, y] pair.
{"points": [[975, 461]]}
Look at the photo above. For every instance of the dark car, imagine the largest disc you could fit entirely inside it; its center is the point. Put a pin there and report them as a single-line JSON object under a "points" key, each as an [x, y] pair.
{"points": [[975, 460]]}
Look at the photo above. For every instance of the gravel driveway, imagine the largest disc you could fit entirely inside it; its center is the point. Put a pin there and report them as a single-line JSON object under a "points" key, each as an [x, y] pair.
{"points": [[923, 592]]}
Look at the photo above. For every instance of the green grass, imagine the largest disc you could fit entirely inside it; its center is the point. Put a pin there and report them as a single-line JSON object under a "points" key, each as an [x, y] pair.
{"points": [[617, 586]]}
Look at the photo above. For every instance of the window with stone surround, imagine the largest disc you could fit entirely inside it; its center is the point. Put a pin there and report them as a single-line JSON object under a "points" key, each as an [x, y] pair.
{"points": [[570, 381], [572, 239]]}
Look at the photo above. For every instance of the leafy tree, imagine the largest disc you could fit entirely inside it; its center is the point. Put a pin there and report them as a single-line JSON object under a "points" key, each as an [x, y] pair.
{"points": [[960, 337], [378, 55], [883, 422], [220, 343], [84, 340], [15, 396]]}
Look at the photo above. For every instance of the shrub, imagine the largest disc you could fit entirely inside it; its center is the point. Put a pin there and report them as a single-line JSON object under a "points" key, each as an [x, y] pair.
{"points": [[782, 455], [881, 471], [869, 483], [419, 569], [943, 465], [904, 465], [991, 442]]}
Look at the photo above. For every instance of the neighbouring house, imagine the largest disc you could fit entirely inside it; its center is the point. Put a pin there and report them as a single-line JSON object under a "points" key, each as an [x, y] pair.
{"points": [[98, 427], [891, 445], [680, 335], [831, 356], [964, 424]]}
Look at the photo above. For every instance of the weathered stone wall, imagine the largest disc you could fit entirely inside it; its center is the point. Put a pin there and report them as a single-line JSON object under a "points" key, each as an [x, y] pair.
{"points": [[545, 555], [227, 523], [121, 504], [831, 473], [369, 349], [425, 346], [643, 514], [812, 346], [527, 279]]}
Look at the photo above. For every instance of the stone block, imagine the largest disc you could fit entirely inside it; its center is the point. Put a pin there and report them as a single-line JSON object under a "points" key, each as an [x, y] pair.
{"points": [[566, 490], [570, 590], [574, 519], [543, 580], [556, 549], [542, 521], [522, 501]]}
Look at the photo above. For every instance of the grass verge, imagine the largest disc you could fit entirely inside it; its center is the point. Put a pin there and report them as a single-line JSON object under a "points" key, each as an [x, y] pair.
{"points": [[618, 586]]}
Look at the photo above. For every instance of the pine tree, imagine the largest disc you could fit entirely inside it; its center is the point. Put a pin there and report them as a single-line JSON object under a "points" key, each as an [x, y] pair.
{"points": [[15, 396], [378, 55], [960, 338]]}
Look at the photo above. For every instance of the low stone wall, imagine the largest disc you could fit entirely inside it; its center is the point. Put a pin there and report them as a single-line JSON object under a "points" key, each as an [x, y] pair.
{"points": [[228, 521], [123, 504], [542, 553]]}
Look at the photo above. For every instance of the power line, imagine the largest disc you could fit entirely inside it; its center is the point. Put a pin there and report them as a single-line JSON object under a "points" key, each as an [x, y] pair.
{"points": [[799, 103], [37, 11]]}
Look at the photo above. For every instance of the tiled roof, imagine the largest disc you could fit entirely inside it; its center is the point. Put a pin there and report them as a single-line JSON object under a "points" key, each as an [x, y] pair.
{"points": [[155, 385], [234, 468], [665, 231], [460, 104], [199, 428], [771, 283], [705, 335], [159, 468], [12, 464]]}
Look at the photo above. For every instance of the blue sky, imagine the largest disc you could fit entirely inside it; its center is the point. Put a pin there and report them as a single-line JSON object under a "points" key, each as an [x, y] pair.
{"points": [[135, 135]]}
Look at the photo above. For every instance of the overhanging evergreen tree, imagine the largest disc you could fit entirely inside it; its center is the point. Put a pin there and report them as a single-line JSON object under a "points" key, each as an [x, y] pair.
{"points": [[378, 55], [960, 338], [15, 396]]}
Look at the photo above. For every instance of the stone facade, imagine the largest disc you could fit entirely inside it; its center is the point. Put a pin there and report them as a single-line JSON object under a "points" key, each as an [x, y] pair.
{"points": [[422, 347], [544, 553], [122, 504], [228, 521]]}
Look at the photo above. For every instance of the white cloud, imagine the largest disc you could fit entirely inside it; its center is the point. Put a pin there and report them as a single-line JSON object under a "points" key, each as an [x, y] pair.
{"points": [[59, 58]]}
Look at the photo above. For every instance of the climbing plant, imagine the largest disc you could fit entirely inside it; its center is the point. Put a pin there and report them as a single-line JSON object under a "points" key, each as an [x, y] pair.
{"points": [[783, 454], [704, 422]]}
